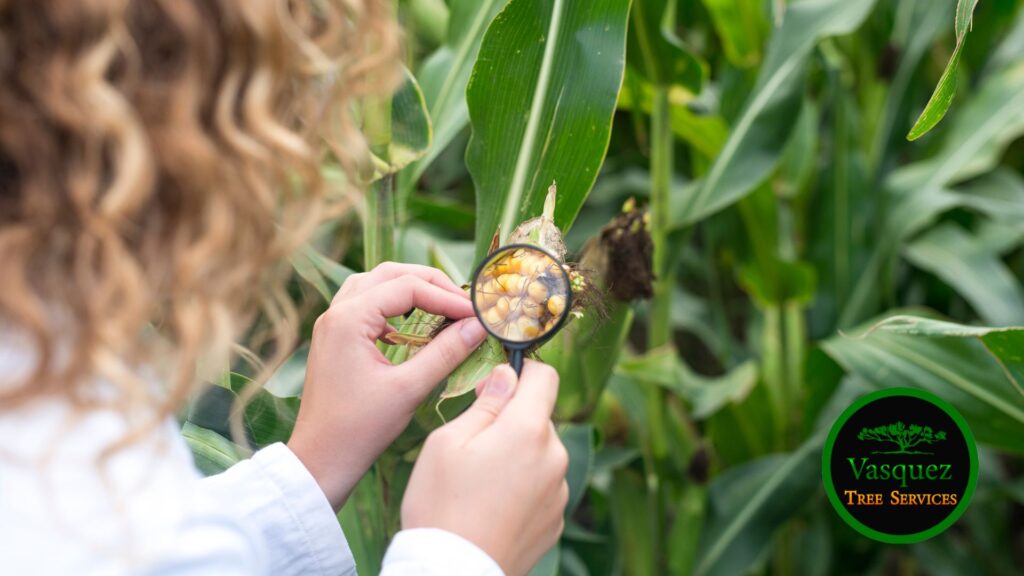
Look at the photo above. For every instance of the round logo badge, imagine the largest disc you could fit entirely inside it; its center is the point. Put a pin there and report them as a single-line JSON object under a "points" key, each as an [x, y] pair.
{"points": [[900, 465]]}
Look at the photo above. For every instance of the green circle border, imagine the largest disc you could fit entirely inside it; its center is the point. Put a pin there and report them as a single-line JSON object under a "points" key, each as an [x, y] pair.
{"points": [[826, 468]]}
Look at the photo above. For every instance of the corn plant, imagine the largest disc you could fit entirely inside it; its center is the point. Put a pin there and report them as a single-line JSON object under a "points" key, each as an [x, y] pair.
{"points": [[783, 205]]}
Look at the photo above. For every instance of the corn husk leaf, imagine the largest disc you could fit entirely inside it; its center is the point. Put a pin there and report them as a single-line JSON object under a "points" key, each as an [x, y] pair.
{"points": [[541, 231], [413, 333], [479, 364]]}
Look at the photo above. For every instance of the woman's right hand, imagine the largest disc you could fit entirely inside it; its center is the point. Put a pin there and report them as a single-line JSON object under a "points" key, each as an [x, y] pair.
{"points": [[496, 474]]}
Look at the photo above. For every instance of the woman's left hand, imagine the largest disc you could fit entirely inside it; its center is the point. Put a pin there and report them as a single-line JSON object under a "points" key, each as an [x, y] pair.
{"points": [[355, 402]]}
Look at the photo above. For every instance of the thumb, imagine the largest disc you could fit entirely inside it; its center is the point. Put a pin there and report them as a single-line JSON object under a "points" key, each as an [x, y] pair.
{"points": [[442, 355], [495, 391]]}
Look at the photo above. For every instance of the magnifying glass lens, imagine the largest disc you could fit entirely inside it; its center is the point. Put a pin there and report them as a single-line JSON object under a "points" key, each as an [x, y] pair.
{"points": [[520, 294]]}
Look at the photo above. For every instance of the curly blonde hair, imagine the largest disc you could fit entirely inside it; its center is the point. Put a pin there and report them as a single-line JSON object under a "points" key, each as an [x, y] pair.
{"points": [[159, 160]]}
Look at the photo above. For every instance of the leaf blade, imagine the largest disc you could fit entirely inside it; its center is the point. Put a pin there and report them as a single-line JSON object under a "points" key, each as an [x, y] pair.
{"points": [[755, 144], [541, 100], [922, 352], [942, 96]]}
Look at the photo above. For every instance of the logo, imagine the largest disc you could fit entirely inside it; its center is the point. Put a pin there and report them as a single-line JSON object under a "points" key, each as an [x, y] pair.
{"points": [[900, 465]]}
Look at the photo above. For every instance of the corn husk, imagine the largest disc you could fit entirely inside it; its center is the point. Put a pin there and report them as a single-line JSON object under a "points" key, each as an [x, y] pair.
{"points": [[542, 231], [419, 328]]}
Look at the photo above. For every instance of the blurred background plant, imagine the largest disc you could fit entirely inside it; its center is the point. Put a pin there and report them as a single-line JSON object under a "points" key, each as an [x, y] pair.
{"points": [[783, 173]]}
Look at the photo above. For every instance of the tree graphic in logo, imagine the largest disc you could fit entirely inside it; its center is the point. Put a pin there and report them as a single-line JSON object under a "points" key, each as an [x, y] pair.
{"points": [[906, 437]]}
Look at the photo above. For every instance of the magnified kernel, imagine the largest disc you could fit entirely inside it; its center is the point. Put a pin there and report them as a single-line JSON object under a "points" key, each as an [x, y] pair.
{"points": [[556, 305], [521, 294]]}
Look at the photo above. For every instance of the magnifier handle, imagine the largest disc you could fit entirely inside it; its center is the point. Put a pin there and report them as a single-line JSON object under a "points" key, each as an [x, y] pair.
{"points": [[516, 360]]}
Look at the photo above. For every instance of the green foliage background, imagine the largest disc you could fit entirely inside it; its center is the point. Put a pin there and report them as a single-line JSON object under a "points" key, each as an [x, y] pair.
{"points": [[789, 213]]}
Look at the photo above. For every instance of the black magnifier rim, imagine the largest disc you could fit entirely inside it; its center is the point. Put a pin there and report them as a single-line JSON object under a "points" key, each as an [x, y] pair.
{"points": [[561, 320]]}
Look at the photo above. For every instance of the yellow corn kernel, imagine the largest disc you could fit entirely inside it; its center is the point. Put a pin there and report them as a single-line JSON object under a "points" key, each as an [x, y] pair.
{"points": [[484, 299], [524, 283], [528, 327], [512, 332], [502, 306], [550, 325], [515, 308], [538, 265], [532, 308], [493, 317], [509, 283], [556, 305], [537, 290]]}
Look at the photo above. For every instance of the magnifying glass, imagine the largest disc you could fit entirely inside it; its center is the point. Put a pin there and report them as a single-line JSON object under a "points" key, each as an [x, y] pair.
{"points": [[522, 296]]}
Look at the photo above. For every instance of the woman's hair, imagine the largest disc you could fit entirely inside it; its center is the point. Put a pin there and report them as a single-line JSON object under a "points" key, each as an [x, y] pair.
{"points": [[159, 160]]}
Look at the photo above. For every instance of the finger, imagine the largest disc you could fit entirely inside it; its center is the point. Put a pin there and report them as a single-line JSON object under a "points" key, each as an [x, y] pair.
{"points": [[443, 354], [359, 283], [538, 390], [400, 295], [499, 387], [563, 494]]}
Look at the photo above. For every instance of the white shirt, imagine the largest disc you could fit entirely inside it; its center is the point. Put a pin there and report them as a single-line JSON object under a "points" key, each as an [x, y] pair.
{"points": [[146, 510]]}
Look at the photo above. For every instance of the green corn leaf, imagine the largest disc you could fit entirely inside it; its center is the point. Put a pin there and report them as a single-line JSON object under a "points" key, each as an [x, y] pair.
{"points": [[1005, 344], [919, 192], [741, 25], [977, 370], [268, 418], [548, 564], [322, 273], [579, 443], [797, 166], [749, 502], [212, 452], [363, 520], [454, 258], [289, 379], [705, 395], [541, 101], [308, 271], [705, 133], [982, 129], [429, 19], [760, 133], [411, 131], [974, 269], [632, 512], [584, 352], [998, 195], [445, 74], [656, 51], [916, 25], [942, 97], [479, 364]]}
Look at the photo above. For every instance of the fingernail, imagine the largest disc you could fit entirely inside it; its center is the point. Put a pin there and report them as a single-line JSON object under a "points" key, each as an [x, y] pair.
{"points": [[500, 382], [472, 332]]}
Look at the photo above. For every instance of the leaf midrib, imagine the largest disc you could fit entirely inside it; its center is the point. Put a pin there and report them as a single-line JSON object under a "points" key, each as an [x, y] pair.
{"points": [[729, 534], [523, 157], [758, 104], [955, 380], [947, 170]]}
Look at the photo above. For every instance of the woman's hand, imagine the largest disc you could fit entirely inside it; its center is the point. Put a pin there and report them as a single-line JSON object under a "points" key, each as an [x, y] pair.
{"points": [[496, 474], [355, 402]]}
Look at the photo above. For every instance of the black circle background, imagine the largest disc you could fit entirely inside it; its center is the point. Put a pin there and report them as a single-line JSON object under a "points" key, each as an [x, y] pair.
{"points": [[888, 518]]}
